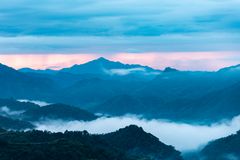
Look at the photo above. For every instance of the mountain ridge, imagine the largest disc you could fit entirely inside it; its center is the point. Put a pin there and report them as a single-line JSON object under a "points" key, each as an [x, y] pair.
{"points": [[82, 145], [97, 66]]}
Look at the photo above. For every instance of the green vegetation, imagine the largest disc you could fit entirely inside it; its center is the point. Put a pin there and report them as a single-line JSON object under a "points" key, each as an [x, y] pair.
{"points": [[39, 145]]}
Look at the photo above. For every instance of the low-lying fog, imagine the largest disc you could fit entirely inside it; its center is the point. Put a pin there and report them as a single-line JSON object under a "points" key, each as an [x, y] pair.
{"points": [[183, 136], [40, 103]]}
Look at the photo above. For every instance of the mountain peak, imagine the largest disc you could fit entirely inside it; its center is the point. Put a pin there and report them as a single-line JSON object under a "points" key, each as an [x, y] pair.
{"points": [[102, 59], [133, 128], [103, 66], [5, 69], [170, 69], [231, 68], [2, 66], [134, 139]]}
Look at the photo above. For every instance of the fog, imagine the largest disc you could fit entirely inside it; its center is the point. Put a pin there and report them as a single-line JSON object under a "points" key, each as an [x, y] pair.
{"points": [[182, 136], [40, 103], [4, 110], [124, 72]]}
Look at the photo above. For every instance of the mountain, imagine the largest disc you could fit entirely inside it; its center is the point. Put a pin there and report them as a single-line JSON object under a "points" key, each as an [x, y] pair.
{"points": [[13, 124], [120, 105], [15, 105], [37, 145], [170, 69], [180, 96], [8, 70], [224, 102], [69, 81], [19, 85], [32, 112], [2, 130], [30, 70], [227, 148], [101, 66], [13, 109], [137, 143], [116, 88], [104, 66], [93, 91], [235, 68], [56, 112]]}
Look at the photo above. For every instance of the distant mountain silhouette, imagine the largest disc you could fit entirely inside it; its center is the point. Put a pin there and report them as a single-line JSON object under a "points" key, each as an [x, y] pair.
{"points": [[170, 69], [100, 66], [120, 105], [18, 85], [110, 87], [57, 112], [235, 68], [90, 92], [225, 102], [184, 96], [104, 66], [8, 71], [16, 105], [13, 124], [19, 115], [30, 70], [227, 148]]}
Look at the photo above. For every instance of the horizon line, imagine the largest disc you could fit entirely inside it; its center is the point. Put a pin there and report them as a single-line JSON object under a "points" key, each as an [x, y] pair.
{"points": [[53, 68]]}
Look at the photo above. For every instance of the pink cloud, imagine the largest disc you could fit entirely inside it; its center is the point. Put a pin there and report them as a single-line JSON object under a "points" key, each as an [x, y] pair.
{"points": [[43, 61], [160, 60], [182, 60]]}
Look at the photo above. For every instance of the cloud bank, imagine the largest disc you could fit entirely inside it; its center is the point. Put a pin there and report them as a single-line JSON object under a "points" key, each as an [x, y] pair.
{"points": [[4, 110], [40, 103], [183, 136], [111, 26]]}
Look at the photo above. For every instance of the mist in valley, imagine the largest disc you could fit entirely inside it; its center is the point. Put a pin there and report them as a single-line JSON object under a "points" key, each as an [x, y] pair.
{"points": [[184, 137]]}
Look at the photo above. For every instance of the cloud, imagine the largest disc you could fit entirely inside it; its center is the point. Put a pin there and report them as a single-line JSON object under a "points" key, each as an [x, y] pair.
{"points": [[123, 72], [183, 136], [118, 26], [43, 61], [111, 18], [4, 110], [116, 44], [109, 28], [40, 103]]}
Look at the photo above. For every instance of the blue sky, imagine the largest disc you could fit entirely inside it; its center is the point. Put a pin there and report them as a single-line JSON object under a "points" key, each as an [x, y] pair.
{"points": [[128, 26]]}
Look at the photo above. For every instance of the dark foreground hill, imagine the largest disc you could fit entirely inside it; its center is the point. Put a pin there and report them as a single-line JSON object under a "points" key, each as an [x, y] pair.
{"points": [[39, 145], [144, 145], [227, 148]]}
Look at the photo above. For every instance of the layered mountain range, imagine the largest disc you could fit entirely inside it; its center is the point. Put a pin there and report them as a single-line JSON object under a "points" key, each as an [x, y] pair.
{"points": [[114, 88]]}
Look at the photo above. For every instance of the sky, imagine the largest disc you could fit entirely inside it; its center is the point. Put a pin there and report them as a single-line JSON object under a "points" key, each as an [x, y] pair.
{"points": [[186, 34]]}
